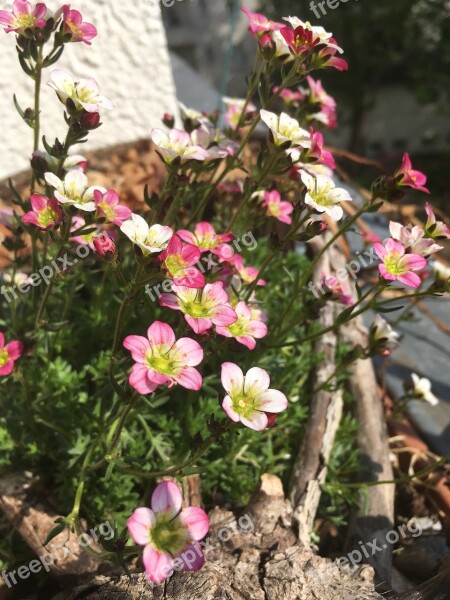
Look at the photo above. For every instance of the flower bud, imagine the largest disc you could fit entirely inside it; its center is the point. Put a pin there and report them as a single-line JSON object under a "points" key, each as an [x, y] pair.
{"points": [[169, 120], [267, 47], [90, 121], [105, 248]]}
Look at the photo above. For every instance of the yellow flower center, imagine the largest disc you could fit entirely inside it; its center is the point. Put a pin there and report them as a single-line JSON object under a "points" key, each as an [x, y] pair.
{"points": [[46, 216], [4, 357]]}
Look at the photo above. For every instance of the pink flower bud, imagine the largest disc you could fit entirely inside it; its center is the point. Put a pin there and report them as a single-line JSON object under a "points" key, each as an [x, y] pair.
{"points": [[169, 120], [105, 248], [90, 121]]}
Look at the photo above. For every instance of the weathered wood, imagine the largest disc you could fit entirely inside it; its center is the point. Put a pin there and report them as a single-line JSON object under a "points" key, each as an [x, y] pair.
{"points": [[262, 562], [310, 468]]}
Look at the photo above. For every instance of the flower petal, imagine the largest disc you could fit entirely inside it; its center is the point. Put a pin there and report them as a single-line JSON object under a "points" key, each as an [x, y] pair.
{"points": [[271, 401], [138, 346], [159, 566], [167, 499], [196, 521], [256, 381], [161, 334], [139, 525], [257, 421], [232, 378]]}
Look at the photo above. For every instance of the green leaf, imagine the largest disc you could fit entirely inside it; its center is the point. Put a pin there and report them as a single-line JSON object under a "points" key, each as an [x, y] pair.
{"points": [[55, 531]]}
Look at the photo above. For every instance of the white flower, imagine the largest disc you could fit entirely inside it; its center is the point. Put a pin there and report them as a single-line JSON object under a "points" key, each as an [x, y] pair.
{"points": [[193, 115], [177, 144], [383, 332], [74, 161], [323, 195], [286, 129], [422, 389], [441, 271], [85, 93], [413, 238], [18, 279], [149, 239], [74, 190]]}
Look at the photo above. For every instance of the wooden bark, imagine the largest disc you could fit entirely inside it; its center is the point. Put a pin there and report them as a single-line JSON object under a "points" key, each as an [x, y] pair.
{"points": [[375, 518], [310, 468], [263, 562]]}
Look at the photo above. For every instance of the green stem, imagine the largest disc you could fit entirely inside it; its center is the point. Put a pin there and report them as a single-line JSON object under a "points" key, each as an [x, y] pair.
{"points": [[331, 241]]}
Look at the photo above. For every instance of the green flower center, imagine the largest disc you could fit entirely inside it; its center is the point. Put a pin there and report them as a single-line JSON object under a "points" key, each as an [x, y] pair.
{"points": [[169, 535], [393, 265], [321, 197], [84, 94], [244, 405], [46, 216], [274, 209], [4, 357], [208, 241], [175, 263], [239, 328], [25, 20], [163, 364]]}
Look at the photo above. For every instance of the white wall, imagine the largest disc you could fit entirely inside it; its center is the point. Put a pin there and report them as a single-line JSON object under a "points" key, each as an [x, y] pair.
{"points": [[129, 60]]}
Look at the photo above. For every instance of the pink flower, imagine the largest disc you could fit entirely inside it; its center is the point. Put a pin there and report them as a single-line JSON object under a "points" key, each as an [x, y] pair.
{"points": [[179, 145], [235, 108], [316, 153], [9, 354], [370, 237], [78, 223], [105, 248], [169, 533], [247, 274], [23, 16], [46, 213], [178, 259], [160, 359], [277, 208], [318, 96], [108, 207], [397, 265], [7, 217], [333, 285], [300, 40], [73, 24], [289, 96], [249, 399], [202, 308], [435, 229], [407, 177], [246, 328], [206, 239], [413, 238], [260, 24]]}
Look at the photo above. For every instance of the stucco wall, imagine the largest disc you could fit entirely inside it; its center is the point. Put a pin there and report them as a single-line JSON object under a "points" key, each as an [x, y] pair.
{"points": [[128, 58]]}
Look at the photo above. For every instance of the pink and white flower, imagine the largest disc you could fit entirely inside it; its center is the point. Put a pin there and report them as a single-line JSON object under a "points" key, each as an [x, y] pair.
{"points": [[234, 109], [109, 207], [422, 389], [216, 144], [79, 30], [169, 533], [275, 207], [84, 93], [202, 308], [246, 329], [384, 336], [177, 144], [318, 95], [260, 24], [285, 129], [83, 239], [406, 176], [336, 287], [413, 238], [303, 39], [161, 359], [7, 218], [45, 214], [437, 230], [397, 265], [74, 161], [249, 399], [149, 239], [247, 274], [314, 154], [289, 96], [24, 16], [74, 190], [207, 240], [9, 353], [179, 260], [323, 195]]}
